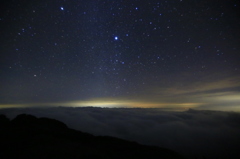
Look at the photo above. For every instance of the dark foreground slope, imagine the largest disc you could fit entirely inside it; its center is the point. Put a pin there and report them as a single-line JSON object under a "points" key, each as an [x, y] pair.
{"points": [[29, 137]]}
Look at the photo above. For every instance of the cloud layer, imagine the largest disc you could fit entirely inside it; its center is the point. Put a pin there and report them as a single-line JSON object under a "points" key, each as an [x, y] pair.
{"points": [[211, 134]]}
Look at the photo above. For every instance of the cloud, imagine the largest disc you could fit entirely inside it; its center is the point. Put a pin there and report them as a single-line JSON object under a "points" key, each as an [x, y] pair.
{"points": [[197, 133], [207, 92], [185, 88]]}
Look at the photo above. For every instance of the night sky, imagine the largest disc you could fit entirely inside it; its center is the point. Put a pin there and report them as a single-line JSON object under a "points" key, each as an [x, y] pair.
{"points": [[175, 54]]}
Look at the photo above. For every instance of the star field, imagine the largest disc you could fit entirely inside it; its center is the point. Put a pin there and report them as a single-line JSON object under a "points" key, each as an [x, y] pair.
{"points": [[137, 51]]}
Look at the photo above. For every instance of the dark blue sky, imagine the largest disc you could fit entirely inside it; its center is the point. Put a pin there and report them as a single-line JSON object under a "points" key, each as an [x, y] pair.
{"points": [[173, 53]]}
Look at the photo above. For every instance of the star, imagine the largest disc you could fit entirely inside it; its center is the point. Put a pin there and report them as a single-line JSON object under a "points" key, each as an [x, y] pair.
{"points": [[95, 50]]}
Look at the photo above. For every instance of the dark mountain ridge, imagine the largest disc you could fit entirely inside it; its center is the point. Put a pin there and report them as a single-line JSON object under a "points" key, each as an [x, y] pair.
{"points": [[29, 137]]}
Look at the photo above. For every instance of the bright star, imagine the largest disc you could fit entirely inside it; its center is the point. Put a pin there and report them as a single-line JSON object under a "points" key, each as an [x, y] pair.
{"points": [[61, 8], [116, 38]]}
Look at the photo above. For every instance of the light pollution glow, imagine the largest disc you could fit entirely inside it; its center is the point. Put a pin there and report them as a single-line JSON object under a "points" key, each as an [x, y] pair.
{"points": [[225, 102], [208, 95]]}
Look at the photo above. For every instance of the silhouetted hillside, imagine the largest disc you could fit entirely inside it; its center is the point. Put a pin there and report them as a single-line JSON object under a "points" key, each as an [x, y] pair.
{"points": [[29, 137]]}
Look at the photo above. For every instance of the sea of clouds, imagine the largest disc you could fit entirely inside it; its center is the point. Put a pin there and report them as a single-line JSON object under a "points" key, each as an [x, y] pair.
{"points": [[194, 133]]}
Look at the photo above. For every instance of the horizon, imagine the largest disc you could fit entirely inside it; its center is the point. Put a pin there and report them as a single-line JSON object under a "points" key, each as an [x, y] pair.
{"points": [[173, 109]]}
